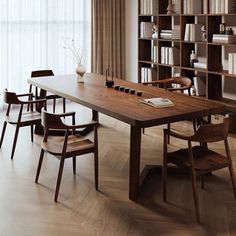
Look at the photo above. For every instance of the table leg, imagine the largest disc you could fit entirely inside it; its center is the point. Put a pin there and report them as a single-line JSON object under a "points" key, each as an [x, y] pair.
{"points": [[134, 166], [95, 116]]}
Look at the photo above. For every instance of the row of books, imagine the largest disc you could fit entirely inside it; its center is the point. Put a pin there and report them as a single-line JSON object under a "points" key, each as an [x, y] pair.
{"points": [[170, 34], [148, 74], [194, 7], [148, 7], [232, 63], [224, 38], [146, 29], [222, 6], [170, 55], [193, 32]]}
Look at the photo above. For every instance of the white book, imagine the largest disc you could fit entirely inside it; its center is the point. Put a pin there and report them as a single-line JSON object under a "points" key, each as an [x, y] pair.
{"points": [[205, 10], [234, 63], [200, 86], [158, 102], [187, 32], [230, 63], [150, 74], [162, 55], [166, 55], [171, 56], [155, 54]]}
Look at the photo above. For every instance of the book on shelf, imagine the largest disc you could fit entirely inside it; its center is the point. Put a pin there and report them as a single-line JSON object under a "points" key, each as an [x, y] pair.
{"points": [[222, 6], [232, 63], [158, 102], [170, 34], [199, 84], [148, 74], [146, 29], [224, 38], [170, 55], [193, 32], [192, 7], [200, 65], [148, 7], [154, 54]]}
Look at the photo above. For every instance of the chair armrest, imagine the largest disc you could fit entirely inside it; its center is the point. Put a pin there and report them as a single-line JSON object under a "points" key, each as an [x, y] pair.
{"points": [[34, 101], [24, 95], [161, 81], [67, 114], [177, 135], [91, 124]]}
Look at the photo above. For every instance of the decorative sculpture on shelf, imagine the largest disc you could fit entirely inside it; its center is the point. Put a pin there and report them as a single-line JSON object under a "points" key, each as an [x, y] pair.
{"points": [[170, 8], [155, 32]]}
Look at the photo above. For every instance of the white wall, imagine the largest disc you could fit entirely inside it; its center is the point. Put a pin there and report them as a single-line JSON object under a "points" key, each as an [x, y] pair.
{"points": [[131, 29]]}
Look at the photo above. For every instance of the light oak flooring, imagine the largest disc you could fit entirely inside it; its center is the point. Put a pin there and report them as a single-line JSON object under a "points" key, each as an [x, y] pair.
{"points": [[28, 209]]}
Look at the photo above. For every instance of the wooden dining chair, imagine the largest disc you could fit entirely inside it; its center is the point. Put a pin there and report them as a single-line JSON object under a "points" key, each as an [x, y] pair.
{"points": [[175, 84], [69, 146], [42, 93], [21, 117], [199, 159]]}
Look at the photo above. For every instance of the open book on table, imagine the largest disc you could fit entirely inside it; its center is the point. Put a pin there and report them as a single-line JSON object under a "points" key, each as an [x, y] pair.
{"points": [[158, 102]]}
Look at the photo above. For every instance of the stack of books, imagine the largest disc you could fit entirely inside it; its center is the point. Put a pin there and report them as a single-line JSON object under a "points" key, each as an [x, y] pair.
{"points": [[158, 102], [146, 29], [148, 7], [222, 6], [147, 74], [170, 55], [193, 7], [170, 34], [232, 63], [193, 32], [224, 38], [200, 65]]}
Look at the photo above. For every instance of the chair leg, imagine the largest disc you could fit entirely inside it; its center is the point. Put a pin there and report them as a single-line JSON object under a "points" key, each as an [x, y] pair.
{"points": [[32, 133], [64, 105], [164, 170], [59, 178], [15, 141], [96, 169], [194, 125], [39, 165], [74, 164], [143, 130], [54, 105], [168, 127], [231, 169], [3, 133]]}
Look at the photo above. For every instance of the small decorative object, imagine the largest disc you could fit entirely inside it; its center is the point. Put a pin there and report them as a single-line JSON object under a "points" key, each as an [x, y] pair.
{"points": [[222, 28], [127, 90], [229, 31], [109, 83], [203, 33], [170, 8], [132, 91], [193, 58], [122, 88], [80, 69], [139, 93], [155, 31], [117, 87]]}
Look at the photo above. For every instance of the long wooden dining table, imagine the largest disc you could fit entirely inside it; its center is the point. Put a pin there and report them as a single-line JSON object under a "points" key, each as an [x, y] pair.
{"points": [[127, 108]]}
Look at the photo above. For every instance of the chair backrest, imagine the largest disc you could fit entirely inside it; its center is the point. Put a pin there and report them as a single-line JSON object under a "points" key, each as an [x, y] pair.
{"points": [[212, 132], [41, 73], [183, 81], [11, 98], [51, 120]]}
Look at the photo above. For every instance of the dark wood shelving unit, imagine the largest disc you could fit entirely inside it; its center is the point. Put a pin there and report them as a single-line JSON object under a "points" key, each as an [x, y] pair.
{"points": [[214, 74]]}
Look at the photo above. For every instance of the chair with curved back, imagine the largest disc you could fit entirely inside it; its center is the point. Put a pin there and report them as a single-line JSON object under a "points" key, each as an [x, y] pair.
{"points": [[21, 118], [199, 159], [174, 84], [69, 146], [43, 93]]}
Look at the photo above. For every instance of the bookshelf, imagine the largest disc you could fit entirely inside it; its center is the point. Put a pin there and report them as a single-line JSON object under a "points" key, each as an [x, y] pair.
{"points": [[214, 55]]}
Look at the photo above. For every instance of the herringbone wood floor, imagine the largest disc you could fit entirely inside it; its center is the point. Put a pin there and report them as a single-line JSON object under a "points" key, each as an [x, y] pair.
{"points": [[28, 209]]}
